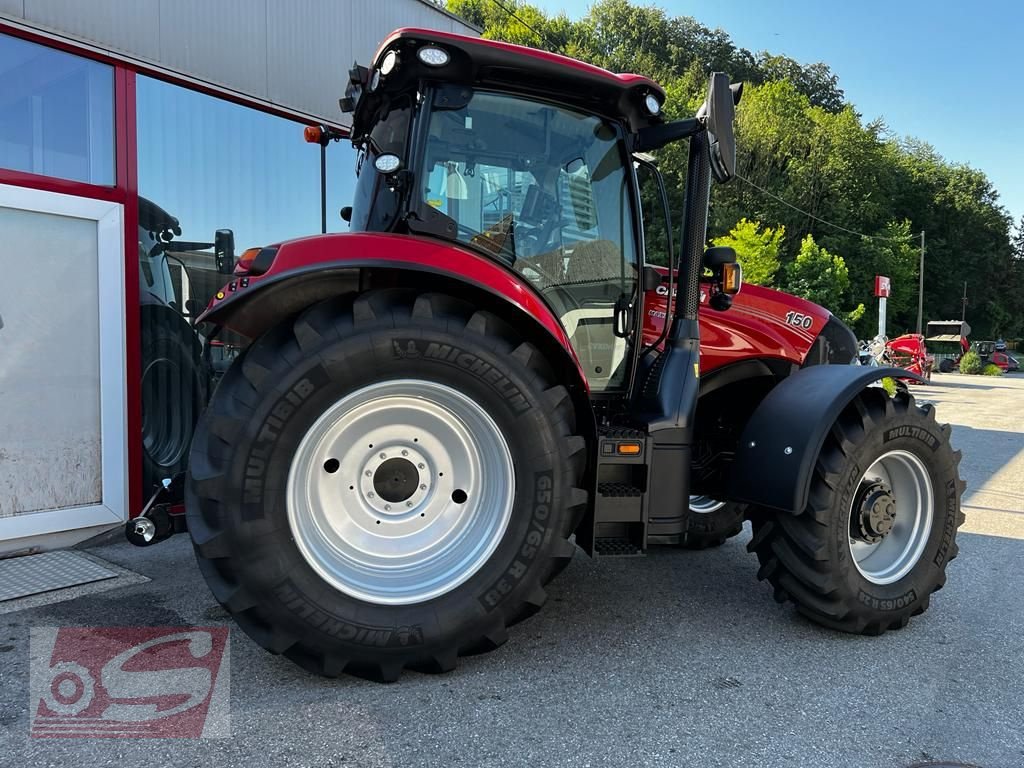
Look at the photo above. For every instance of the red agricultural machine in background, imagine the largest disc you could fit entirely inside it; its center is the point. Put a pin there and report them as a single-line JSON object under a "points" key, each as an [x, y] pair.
{"points": [[437, 408], [908, 351], [995, 352]]}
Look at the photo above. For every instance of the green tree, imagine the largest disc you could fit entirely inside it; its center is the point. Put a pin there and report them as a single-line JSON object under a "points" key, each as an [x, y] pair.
{"points": [[816, 81], [757, 249], [821, 277]]}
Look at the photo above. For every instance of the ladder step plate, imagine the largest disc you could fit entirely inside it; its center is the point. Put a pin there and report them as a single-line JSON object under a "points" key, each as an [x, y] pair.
{"points": [[616, 546], [619, 490]]}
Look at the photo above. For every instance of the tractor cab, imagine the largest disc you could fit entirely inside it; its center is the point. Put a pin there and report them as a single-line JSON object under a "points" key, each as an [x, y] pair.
{"points": [[526, 159]]}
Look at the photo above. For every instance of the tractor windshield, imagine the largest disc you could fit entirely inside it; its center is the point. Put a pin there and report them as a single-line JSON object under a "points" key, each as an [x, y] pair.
{"points": [[545, 189]]}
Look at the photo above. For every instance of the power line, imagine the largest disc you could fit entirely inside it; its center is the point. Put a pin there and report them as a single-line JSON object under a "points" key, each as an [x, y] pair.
{"points": [[540, 36], [819, 219]]}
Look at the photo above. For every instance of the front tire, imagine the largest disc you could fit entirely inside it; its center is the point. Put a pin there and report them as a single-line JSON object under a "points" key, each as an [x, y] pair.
{"points": [[880, 525], [386, 482]]}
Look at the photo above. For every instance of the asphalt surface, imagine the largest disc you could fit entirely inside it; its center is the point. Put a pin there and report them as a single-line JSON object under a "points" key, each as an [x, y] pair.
{"points": [[677, 659]]}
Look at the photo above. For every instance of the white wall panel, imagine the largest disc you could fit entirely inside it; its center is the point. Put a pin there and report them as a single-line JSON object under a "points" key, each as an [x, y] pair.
{"points": [[221, 41], [291, 53], [309, 54], [128, 26]]}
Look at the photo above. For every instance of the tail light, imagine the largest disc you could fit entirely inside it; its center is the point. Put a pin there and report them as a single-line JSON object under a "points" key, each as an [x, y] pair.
{"points": [[255, 261]]}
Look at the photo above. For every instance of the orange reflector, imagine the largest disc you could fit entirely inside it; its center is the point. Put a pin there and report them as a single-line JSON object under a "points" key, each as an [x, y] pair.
{"points": [[312, 134], [629, 449], [732, 278], [245, 261]]}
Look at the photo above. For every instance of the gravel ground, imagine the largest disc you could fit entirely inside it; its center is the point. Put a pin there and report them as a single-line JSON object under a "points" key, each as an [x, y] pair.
{"points": [[678, 658]]}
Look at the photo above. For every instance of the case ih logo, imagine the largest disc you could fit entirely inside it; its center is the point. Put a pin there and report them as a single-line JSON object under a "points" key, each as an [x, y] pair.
{"points": [[142, 682]]}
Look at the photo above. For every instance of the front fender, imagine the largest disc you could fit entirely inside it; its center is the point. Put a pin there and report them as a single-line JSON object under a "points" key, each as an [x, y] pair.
{"points": [[781, 441]]}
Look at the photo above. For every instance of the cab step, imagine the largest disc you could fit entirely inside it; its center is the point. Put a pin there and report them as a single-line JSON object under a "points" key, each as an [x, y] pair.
{"points": [[616, 546]]}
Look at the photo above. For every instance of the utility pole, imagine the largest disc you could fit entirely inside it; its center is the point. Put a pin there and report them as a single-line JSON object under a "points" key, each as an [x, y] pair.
{"points": [[920, 286], [963, 311]]}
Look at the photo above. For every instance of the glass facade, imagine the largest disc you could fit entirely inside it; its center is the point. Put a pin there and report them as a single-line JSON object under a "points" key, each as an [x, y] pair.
{"points": [[56, 113], [213, 177], [209, 166]]}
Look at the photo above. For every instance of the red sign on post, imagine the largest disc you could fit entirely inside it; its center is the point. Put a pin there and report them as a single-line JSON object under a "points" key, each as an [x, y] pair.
{"points": [[882, 287]]}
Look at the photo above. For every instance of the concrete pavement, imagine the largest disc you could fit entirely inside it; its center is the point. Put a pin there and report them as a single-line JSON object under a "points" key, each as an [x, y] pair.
{"points": [[676, 659]]}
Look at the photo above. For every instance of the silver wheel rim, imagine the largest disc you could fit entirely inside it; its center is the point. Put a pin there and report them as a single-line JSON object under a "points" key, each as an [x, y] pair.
{"points": [[892, 558], [705, 505], [347, 507]]}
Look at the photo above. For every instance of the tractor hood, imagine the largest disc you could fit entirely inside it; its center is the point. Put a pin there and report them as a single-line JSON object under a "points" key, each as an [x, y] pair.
{"points": [[762, 323]]}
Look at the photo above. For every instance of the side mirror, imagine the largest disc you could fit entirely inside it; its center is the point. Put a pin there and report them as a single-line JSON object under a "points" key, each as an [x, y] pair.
{"points": [[346, 214], [726, 276], [720, 111], [224, 251]]}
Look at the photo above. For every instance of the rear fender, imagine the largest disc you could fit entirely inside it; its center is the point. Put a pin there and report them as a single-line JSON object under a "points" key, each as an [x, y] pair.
{"points": [[308, 269], [781, 442], [312, 269]]}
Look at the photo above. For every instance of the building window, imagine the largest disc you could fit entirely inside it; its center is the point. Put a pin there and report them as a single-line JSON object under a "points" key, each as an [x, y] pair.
{"points": [[56, 113]]}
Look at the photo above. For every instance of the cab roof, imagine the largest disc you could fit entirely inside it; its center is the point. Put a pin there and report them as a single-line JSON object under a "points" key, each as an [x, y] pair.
{"points": [[516, 68]]}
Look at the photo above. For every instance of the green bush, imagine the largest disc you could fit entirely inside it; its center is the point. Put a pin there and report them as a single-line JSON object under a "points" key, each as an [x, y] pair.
{"points": [[992, 370], [970, 362]]}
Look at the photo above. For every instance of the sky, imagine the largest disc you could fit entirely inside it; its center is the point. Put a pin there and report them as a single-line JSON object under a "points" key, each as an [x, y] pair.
{"points": [[948, 72]]}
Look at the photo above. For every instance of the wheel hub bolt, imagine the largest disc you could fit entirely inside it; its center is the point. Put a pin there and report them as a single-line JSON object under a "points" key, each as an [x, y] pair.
{"points": [[423, 487], [405, 453], [421, 465], [383, 455]]}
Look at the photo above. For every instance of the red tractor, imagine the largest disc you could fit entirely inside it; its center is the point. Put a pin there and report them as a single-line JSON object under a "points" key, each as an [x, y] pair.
{"points": [[440, 406]]}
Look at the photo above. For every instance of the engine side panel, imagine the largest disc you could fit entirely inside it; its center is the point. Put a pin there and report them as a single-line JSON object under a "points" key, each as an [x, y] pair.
{"points": [[761, 323]]}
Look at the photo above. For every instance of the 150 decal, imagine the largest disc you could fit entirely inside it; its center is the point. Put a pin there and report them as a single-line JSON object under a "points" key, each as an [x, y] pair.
{"points": [[799, 319]]}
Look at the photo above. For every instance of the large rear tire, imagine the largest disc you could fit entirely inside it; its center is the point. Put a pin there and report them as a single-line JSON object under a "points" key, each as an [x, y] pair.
{"points": [[386, 482], [174, 387], [880, 526]]}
